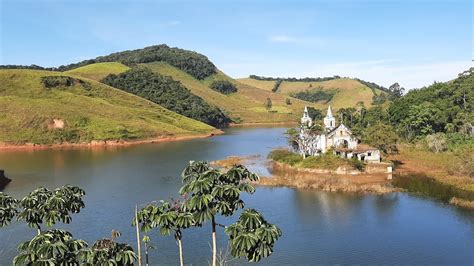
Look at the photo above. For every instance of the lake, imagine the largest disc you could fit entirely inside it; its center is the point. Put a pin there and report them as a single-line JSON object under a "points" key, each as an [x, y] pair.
{"points": [[318, 227]]}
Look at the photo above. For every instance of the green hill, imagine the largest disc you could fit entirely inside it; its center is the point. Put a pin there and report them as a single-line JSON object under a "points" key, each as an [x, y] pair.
{"points": [[246, 105], [346, 92], [51, 107], [98, 71]]}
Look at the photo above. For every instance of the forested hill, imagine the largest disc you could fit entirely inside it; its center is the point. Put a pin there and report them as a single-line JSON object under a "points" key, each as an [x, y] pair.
{"points": [[168, 93], [193, 63], [446, 107]]}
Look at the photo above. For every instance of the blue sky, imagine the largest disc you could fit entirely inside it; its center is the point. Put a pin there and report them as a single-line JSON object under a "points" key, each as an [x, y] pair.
{"points": [[412, 42]]}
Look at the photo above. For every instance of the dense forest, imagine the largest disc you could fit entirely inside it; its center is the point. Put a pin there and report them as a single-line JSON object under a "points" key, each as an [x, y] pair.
{"points": [[442, 112], [314, 95], [195, 64], [168, 93]]}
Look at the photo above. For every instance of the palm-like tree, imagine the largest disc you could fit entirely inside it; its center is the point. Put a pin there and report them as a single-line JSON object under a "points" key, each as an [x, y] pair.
{"points": [[52, 247], [45, 206], [108, 252], [8, 209], [168, 217], [252, 237], [212, 192]]}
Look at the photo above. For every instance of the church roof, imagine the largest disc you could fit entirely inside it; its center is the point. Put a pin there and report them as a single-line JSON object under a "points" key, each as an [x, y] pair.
{"points": [[338, 127]]}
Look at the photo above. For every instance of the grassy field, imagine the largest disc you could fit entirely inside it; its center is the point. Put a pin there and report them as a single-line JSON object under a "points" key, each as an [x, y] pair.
{"points": [[246, 105], [99, 70], [444, 166], [89, 110], [348, 91]]}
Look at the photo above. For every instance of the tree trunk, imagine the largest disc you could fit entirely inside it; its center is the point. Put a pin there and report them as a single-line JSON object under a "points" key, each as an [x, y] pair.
{"points": [[181, 259], [139, 251], [214, 244], [146, 254]]}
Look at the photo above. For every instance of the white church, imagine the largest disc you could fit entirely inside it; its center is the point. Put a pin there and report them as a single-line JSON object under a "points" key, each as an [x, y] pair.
{"points": [[339, 139]]}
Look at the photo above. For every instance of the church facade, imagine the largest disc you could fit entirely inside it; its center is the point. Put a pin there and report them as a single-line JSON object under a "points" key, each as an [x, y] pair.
{"points": [[336, 138]]}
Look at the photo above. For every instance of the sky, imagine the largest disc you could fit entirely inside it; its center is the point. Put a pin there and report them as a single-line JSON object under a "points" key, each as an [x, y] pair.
{"points": [[411, 42]]}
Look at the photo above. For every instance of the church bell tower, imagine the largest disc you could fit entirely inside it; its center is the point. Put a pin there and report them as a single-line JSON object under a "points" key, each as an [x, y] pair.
{"points": [[329, 120], [306, 120]]}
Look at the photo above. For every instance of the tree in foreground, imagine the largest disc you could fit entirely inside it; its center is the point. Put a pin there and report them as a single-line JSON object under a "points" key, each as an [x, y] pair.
{"points": [[52, 247], [46, 206], [8, 209], [168, 217], [107, 251], [252, 237], [212, 192]]}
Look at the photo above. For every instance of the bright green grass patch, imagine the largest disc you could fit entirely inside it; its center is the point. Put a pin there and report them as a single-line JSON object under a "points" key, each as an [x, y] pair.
{"points": [[90, 112], [98, 71], [326, 161]]}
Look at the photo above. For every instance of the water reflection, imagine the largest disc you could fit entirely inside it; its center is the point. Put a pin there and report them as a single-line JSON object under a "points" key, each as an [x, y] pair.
{"points": [[318, 227]]}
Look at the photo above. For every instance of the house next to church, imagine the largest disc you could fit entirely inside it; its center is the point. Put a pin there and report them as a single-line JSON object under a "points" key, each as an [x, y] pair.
{"points": [[336, 138]]}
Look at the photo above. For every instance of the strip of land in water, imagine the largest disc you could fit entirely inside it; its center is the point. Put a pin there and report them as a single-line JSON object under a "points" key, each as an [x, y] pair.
{"points": [[104, 143], [418, 171]]}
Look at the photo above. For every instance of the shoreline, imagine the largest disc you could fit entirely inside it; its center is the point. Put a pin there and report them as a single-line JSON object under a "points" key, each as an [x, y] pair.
{"points": [[250, 124], [103, 143], [4, 147]]}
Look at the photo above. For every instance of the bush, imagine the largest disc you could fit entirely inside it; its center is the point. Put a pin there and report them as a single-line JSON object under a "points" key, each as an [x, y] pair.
{"points": [[288, 101], [277, 85], [314, 95], [223, 86], [285, 156], [437, 142], [61, 81]]}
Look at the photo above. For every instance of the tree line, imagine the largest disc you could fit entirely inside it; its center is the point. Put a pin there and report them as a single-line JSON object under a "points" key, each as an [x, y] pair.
{"points": [[168, 93], [307, 79], [206, 194]]}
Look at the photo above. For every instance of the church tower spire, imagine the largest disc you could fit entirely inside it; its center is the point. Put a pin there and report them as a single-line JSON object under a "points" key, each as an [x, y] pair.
{"points": [[329, 120], [306, 119]]}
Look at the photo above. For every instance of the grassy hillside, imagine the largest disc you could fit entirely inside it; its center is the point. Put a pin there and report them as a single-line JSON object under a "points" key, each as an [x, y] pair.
{"points": [[348, 92], [246, 105], [89, 110], [98, 71]]}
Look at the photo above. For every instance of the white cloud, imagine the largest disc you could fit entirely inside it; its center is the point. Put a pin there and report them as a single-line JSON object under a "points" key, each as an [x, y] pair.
{"points": [[296, 40]]}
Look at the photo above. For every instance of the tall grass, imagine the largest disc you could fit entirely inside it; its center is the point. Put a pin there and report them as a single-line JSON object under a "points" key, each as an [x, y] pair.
{"points": [[428, 186]]}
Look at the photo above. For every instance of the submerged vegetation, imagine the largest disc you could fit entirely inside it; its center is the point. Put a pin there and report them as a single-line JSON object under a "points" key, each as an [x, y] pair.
{"points": [[428, 186]]}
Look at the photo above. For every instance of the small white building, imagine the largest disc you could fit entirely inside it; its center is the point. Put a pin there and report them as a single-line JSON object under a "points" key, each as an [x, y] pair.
{"points": [[337, 138]]}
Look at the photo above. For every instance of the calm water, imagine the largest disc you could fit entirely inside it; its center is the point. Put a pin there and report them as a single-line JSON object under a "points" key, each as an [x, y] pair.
{"points": [[318, 227]]}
